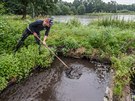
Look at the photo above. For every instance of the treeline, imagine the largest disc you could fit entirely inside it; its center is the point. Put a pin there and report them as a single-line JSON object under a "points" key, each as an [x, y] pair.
{"points": [[59, 7], [90, 6], [31, 7]]}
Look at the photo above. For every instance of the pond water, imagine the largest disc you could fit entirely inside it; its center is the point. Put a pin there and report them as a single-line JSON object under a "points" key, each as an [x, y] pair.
{"points": [[85, 19], [53, 84]]}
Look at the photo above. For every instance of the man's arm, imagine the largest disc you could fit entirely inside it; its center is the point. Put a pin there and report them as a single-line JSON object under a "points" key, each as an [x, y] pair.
{"points": [[45, 37]]}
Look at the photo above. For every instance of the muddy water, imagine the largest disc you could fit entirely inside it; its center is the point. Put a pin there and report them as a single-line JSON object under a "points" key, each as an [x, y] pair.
{"points": [[54, 85]]}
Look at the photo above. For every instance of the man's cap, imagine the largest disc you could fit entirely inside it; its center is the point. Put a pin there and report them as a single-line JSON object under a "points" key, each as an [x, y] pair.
{"points": [[49, 20]]}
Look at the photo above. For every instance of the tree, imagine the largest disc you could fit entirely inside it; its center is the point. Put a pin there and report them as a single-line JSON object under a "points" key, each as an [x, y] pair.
{"points": [[36, 6], [2, 9], [65, 10], [77, 3], [58, 10], [112, 6], [88, 6], [81, 9], [73, 9]]}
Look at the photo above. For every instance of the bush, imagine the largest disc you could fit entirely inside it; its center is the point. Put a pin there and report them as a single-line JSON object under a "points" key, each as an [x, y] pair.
{"points": [[70, 43], [2, 9], [123, 68], [3, 83]]}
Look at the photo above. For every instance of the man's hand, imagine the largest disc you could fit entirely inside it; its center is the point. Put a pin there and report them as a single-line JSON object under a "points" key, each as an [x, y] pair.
{"points": [[44, 43], [35, 34]]}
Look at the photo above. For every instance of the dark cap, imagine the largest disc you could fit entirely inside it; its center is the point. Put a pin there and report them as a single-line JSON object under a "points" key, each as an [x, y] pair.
{"points": [[50, 21]]}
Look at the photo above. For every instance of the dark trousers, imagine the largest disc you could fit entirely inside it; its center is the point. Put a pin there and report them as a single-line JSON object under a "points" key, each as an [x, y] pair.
{"points": [[25, 34]]}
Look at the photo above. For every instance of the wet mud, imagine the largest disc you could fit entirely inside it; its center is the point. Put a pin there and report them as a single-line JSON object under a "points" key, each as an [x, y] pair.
{"points": [[86, 82], [132, 86]]}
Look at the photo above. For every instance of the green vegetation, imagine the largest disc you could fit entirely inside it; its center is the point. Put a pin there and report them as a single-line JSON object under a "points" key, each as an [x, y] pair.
{"points": [[111, 39], [99, 14], [115, 22], [125, 11], [31, 7]]}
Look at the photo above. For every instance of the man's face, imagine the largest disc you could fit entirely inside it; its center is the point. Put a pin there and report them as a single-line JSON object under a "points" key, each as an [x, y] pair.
{"points": [[46, 23]]}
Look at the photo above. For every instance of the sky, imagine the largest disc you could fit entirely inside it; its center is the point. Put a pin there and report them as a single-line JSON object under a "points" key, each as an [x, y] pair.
{"points": [[118, 1]]}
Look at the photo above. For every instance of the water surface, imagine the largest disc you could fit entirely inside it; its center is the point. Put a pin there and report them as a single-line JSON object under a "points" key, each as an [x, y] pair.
{"points": [[85, 19], [53, 84]]}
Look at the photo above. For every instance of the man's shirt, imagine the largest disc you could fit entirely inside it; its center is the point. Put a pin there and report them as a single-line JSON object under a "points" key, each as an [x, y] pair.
{"points": [[37, 26]]}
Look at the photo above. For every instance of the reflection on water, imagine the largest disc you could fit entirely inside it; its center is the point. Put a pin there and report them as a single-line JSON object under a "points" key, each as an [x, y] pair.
{"points": [[84, 19]]}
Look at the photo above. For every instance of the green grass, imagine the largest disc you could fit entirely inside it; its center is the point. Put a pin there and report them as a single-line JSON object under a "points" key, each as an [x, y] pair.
{"points": [[125, 12], [99, 14], [108, 38], [115, 22], [121, 12]]}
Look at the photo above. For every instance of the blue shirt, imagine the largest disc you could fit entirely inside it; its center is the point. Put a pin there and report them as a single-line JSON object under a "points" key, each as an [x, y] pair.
{"points": [[37, 26]]}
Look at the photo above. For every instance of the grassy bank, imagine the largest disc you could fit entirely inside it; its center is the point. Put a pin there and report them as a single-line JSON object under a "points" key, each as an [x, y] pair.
{"points": [[104, 39], [99, 14], [123, 12]]}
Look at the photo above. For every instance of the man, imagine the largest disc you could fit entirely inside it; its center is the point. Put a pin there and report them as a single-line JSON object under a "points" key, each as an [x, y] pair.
{"points": [[34, 29]]}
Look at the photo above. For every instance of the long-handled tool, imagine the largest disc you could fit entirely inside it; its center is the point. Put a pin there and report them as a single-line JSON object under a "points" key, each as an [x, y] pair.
{"points": [[52, 52], [70, 72]]}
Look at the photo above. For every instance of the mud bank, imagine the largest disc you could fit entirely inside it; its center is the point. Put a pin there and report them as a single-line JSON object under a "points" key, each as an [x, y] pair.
{"points": [[53, 84], [132, 85]]}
